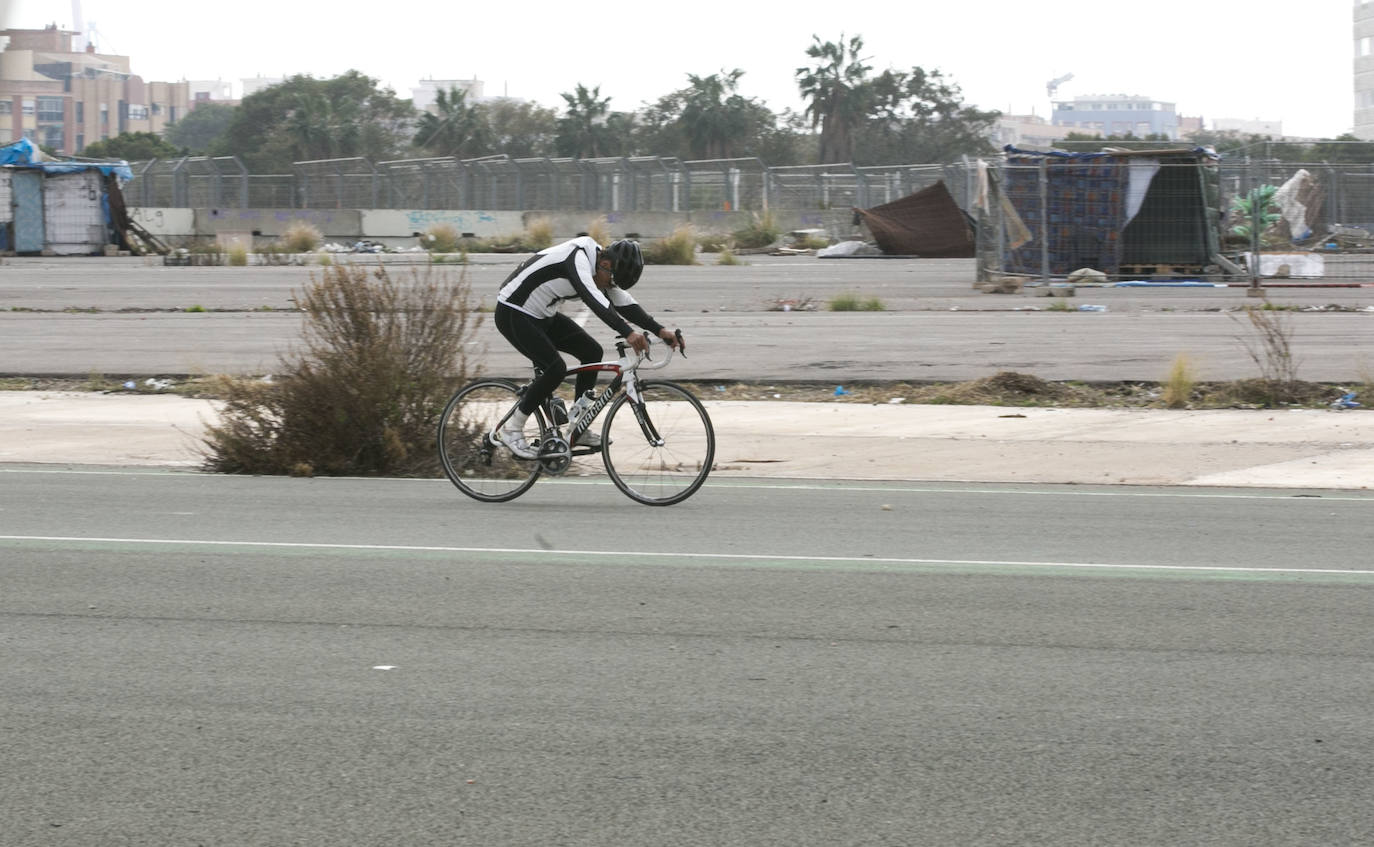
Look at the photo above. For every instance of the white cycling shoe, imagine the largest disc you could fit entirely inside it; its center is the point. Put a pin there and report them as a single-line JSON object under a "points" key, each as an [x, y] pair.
{"points": [[514, 440], [588, 439]]}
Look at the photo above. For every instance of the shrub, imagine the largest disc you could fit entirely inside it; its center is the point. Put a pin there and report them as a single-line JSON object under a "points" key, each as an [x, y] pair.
{"points": [[680, 248], [238, 255], [727, 257], [364, 395], [301, 237], [442, 238], [762, 232]]}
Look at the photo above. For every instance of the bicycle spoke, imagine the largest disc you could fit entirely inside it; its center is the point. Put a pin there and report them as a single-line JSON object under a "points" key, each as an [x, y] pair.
{"points": [[479, 468], [664, 458]]}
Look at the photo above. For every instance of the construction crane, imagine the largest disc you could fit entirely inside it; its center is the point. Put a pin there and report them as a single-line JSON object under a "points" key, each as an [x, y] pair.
{"points": [[1053, 85]]}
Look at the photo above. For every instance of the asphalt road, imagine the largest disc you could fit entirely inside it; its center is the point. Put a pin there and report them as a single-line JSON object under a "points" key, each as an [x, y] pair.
{"points": [[936, 326], [193, 659]]}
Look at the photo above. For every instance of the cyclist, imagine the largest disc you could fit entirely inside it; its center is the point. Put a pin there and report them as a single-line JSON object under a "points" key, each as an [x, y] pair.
{"points": [[527, 316]]}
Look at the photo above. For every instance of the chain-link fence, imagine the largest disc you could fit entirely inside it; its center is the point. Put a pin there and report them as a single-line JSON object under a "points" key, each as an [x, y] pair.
{"points": [[1156, 215], [1172, 218]]}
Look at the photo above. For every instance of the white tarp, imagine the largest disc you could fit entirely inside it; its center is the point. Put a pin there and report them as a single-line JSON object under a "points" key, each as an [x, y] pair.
{"points": [[73, 213]]}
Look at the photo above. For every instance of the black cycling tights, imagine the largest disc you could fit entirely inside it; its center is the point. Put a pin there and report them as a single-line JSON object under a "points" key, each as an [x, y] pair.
{"points": [[540, 340]]}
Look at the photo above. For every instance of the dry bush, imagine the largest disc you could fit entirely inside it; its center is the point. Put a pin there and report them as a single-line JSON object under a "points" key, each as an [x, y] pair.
{"points": [[538, 234], [600, 231], [716, 242], [442, 238], [1271, 349], [1178, 386], [680, 248], [762, 231], [301, 237], [363, 396]]}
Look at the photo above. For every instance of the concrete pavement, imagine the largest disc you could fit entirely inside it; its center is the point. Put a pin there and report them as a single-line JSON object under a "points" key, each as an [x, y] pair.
{"points": [[1319, 449]]}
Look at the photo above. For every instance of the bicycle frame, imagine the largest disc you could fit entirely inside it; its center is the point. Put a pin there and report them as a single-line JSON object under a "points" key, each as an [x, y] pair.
{"points": [[624, 369]]}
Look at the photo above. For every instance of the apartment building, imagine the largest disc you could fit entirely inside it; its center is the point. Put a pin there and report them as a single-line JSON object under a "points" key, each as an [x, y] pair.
{"points": [[65, 99], [1363, 24], [1116, 114]]}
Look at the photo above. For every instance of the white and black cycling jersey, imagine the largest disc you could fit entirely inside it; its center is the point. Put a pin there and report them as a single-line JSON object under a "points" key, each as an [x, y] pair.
{"points": [[564, 272]]}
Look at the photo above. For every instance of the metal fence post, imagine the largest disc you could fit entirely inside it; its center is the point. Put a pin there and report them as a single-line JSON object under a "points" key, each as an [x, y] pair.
{"points": [[1044, 218]]}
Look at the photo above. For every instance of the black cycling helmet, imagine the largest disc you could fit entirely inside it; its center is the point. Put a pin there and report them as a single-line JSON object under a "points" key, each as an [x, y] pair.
{"points": [[627, 263]]}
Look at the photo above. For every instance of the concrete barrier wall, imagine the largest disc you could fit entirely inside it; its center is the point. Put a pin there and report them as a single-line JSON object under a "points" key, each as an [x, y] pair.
{"points": [[398, 227]]}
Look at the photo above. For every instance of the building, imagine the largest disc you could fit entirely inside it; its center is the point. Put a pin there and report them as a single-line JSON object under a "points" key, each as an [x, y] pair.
{"points": [[65, 99], [1364, 70], [1029, 131], [424, 94], [211, 91], [254, 84], [1116, 114]]}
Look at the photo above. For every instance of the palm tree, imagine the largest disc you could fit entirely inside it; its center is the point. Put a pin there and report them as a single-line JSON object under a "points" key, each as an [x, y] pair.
{"points": [[582, 131], [454, 128], [716, 119], [839, 94]]}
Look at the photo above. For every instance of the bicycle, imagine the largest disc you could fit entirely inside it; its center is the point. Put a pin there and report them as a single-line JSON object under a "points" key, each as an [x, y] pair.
{"points": [[658, 453]]}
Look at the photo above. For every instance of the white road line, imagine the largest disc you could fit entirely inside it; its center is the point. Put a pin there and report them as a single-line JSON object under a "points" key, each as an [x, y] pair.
{"points": [[647, 556], [1047, 489]]}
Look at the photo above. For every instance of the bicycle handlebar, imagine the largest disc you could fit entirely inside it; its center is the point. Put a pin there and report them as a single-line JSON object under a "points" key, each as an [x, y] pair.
{"points": [[636, 360]]}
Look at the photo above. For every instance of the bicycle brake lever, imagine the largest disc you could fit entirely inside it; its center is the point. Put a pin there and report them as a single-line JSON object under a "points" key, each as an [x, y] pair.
{"points": [[681, 345]]}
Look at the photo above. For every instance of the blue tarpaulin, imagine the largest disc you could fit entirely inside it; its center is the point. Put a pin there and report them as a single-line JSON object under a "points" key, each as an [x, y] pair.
{"points": [[24, 153]]}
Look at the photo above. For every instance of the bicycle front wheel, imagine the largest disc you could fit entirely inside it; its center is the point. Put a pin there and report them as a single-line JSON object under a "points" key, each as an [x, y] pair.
{"points": [[480, 468], [660, 451]]}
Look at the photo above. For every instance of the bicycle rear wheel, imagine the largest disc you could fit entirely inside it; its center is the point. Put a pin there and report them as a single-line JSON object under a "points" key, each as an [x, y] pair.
{"points": [[658, 453], [480, 468]]}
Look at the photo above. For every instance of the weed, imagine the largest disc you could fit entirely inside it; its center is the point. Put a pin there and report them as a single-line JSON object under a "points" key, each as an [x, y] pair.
{"points": [[301, 237], [238, 255], [195, 308], [811, 242], [715, 242], [855, 303], [680, 248], [325, 260], [538, 234], [1059, 304], [441, 238], [1178, 386], [600, 231], [761, 232], [727, 257], [1271, 349], [364, 392]]}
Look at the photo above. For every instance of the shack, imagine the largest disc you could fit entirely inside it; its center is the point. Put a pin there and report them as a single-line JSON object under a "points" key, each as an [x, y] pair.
{"points": [[1121, 212], [61, 207]]}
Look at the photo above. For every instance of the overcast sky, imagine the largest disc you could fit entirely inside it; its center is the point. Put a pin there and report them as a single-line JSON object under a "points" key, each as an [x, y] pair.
{"points": [[1289, 63]]}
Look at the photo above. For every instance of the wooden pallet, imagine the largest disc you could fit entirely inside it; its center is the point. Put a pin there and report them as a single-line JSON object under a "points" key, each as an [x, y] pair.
{"points": [[1161, 269]]}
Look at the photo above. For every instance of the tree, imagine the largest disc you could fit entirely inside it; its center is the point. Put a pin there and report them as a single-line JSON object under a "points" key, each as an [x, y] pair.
{"points": [[454, 128], [305, 118], [519, 129], [583, 131], [710, 119], [920, 117], [838, 94], [200, 128], [718, 121], [132, 147], [896, 116]]}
